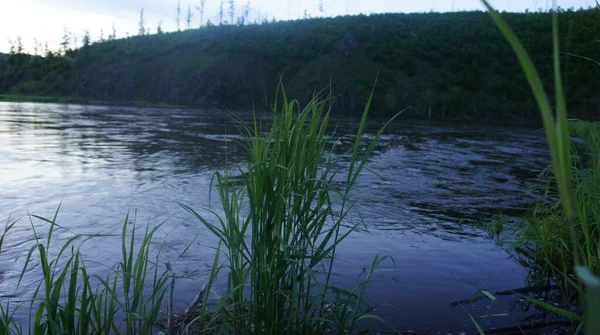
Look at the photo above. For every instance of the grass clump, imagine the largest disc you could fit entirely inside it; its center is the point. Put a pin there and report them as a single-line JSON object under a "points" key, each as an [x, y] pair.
{"points": [[281, 250], [70, 300], [548, 234], [576, 211]]}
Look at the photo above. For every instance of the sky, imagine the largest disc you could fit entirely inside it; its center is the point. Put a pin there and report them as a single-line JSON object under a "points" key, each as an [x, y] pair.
{"points": [[46, 20]]}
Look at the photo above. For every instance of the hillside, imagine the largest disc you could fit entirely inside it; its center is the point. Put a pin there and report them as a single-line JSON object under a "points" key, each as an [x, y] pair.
{"points": [[451, 65]]}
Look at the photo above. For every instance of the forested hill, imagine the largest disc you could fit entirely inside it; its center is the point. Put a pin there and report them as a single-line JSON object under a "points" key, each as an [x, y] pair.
{"points": [[451, 65]]}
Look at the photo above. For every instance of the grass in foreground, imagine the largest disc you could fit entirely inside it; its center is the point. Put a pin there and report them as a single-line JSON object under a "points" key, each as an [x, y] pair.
{"points": [[281, 250], [568, 234], [280, 231], [69, 300]]}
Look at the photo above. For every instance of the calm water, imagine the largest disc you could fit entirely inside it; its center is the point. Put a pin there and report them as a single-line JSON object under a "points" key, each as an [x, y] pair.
{"points": [[431, 185]]}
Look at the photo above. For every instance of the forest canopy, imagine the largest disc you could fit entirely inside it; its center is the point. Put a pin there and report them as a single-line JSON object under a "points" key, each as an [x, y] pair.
{"points": [[441, 65]]}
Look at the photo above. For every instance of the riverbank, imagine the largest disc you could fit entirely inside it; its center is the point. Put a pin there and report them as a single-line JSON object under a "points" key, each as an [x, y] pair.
{"points": [[402, 116], [415, 60], [81, 101]]}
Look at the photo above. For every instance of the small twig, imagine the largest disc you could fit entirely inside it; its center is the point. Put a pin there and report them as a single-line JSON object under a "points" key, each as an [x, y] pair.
{"points": [[522, 290], [530, 327], [197, 300]]}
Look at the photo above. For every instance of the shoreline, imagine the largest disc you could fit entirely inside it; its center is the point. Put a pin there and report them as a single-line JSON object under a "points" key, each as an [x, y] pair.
{"points": [[141, 103], [81, 101]]}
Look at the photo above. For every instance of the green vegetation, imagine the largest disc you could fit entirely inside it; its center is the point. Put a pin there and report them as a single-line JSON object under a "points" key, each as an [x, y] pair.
{"points": [[69, 300], [565, 234], [451, 65], [549, 226], [279, 257], [281, 226], [281, 254]]}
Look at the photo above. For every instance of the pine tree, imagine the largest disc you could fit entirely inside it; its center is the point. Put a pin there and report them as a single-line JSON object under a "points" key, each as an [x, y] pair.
{"points": [[66, 41], [20, 48], [101, 35], [231, 10], [11, 49], [201, 10], [246, 12], [178, 19], [159, 28], [142, 28], [321, 8], [113, 34], [35, 47], [221, 12], [188, 19], [86, 39]]}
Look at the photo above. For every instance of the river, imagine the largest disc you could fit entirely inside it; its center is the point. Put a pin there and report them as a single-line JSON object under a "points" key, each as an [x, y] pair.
{"points": [[429, 189]]}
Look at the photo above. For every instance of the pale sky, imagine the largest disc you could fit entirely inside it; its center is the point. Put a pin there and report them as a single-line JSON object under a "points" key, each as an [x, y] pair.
{"points": [[46, 20]]}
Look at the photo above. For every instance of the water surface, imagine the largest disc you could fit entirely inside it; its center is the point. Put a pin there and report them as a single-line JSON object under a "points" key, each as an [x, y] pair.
{"points": [[430, 187]]}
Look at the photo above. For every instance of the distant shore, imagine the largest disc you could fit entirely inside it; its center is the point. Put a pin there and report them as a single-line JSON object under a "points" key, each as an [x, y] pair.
{"points": [[80, 101]]}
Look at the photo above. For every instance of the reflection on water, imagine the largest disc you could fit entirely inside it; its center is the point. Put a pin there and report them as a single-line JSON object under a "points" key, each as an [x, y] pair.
{"points": [[428, 183]]}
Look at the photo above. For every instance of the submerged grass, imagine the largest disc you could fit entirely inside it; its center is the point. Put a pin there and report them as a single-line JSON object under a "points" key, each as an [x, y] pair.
{"points": [[566, 235], [280, 254]]}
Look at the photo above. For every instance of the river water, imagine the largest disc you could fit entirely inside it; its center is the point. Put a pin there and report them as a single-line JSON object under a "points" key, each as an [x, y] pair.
{"points": [[429, 188]]}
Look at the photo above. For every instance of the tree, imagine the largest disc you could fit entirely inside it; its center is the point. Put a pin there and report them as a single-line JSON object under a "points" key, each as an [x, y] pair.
{"points": [[188, 19], [142, 28], [12, 50], [321, 8], [86, 39], [201, 11], [66, 41], [20, 47], [231, 10], [178, 18], [221, 12], [35, 47], [159, 28], [101, 35], [246, 12], [113, 34]]}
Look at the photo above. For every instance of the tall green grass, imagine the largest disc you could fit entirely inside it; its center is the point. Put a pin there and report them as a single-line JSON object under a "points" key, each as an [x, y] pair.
{"points": [[579, 211], [280, 232], [549, 227], [6, 316], [281, 250], [70, 300]]}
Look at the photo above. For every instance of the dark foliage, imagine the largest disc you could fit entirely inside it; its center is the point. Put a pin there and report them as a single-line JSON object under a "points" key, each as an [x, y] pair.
{"points": [[452, 65]]}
